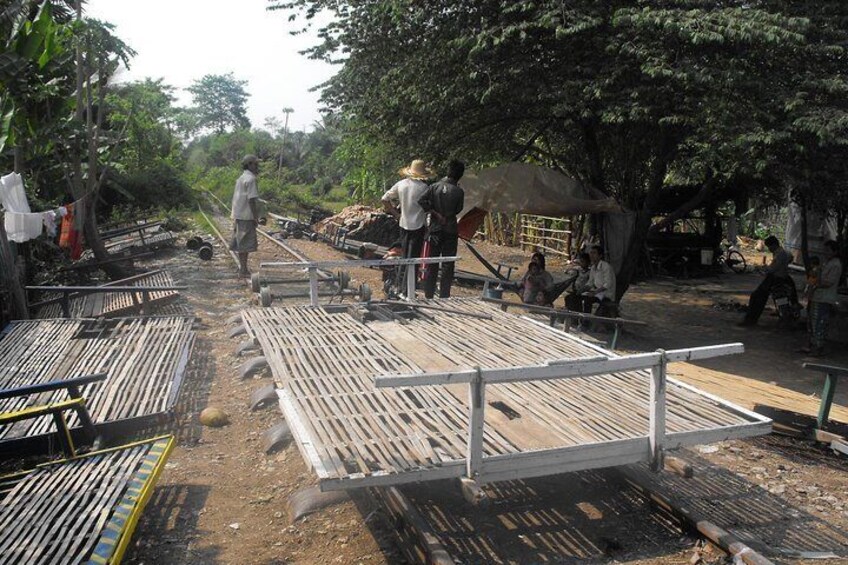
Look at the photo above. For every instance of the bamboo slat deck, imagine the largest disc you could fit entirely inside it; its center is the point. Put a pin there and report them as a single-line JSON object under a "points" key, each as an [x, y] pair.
{"points": [[145, 359], [150, 241], [112, 305], [354, 434], [81, 510]]}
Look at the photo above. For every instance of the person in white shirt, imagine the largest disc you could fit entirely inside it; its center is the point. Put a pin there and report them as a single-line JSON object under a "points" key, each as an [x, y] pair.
{"points": [[245, 213], [601, 283], [401, 201], [823, 300]]}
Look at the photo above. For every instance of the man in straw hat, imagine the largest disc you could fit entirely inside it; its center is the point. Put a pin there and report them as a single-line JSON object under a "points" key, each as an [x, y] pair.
{"points": [[245, 212], [411, 216]]}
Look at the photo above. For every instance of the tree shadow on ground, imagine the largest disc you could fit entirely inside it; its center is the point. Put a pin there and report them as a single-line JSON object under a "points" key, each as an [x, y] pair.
{"points": [[169, 525], [766, 522], [684, 314], [600, 516]]}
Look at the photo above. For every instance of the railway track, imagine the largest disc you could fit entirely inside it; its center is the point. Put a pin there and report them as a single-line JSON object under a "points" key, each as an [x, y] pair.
{"points": [[221, 224]]}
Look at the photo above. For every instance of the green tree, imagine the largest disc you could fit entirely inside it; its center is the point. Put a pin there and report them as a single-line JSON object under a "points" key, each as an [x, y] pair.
{"points": [[146, 111], [220, 103], [610, 92]]}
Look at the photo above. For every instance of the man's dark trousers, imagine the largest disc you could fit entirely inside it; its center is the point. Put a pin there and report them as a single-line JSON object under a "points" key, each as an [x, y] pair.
{"points": [[441, 245], [412, 241], [759, 298]]}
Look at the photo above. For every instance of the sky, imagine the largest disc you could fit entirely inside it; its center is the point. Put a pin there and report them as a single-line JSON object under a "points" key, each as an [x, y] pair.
{"points": [[183, 40]]}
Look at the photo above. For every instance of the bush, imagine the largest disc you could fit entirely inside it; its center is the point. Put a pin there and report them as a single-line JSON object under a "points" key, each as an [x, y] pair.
{"points": [[321, 187], [160, 186]]}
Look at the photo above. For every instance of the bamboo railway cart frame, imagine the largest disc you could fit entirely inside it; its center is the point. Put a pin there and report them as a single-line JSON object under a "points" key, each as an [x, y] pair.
{"points": [[145, 361], [83, 509], [313, 268], [75, 402], [537, 463], [140, 294], [381, 404]]}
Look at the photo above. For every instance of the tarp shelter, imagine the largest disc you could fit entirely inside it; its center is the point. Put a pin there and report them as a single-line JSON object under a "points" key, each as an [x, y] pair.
{"points": [[819, 230], [528, 189]]}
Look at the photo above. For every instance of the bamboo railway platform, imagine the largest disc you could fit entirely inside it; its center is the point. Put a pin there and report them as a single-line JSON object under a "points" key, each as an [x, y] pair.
{"points": [[79, 510], [467, 390], [142, 242], [116, 304], [145, 360]]}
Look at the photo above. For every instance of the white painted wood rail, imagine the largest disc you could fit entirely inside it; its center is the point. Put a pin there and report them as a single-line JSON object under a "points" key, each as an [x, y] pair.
{"points": [[547, 461], [312, 267]]}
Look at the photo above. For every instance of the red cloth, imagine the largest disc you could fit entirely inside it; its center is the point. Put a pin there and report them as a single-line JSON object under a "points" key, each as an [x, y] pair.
{"points": [[70, 238]]}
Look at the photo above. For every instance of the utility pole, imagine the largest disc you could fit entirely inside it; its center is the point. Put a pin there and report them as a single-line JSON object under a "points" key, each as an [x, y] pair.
{"points": [[286, 111]]}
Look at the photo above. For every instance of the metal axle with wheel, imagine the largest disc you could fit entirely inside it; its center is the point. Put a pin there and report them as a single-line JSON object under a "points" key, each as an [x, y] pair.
{"points": [[267, 296], [258, 280]]}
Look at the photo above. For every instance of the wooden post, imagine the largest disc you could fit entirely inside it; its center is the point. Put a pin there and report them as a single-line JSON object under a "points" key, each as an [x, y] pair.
{"points": [[145, 302], [66, 304], [410, 281], [313, 286], [64, 434], [82, 414], [657, 424], [826, 400], [476, 402]]}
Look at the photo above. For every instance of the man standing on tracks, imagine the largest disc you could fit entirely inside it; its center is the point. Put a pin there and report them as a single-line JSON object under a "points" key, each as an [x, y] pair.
{"points": [[444, 200], [245, 213], [401, 201]]}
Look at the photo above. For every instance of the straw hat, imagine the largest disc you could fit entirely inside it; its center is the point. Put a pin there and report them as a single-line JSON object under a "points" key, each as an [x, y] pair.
{"points": [[417, 170]]}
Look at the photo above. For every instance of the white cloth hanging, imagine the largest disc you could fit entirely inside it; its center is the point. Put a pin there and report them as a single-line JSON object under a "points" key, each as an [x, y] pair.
{"points": [[21, 228], [12, 194], [49, 220], [21, 225]]}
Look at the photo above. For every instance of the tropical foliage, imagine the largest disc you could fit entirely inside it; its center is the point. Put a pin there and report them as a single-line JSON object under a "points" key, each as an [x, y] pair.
{"points": [[622, 95]]}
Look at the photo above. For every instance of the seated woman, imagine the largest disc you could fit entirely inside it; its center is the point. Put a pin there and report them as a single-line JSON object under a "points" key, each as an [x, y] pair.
{"points": [[535, 281]]}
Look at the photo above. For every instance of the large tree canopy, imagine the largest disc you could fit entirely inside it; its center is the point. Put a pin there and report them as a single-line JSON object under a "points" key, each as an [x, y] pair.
{"points": [[615, 93], [220, 103]]}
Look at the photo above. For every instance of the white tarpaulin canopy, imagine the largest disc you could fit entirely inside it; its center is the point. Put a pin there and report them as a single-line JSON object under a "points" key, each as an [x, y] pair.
{"points": [[531, 189]]}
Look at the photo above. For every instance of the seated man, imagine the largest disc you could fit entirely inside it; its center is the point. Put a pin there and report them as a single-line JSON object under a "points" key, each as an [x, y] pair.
{"points": [[776, 272], [578, 283], [601, 284]]}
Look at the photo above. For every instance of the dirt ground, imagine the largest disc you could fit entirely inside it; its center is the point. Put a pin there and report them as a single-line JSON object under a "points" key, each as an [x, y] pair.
{"points": [[222, 500]]}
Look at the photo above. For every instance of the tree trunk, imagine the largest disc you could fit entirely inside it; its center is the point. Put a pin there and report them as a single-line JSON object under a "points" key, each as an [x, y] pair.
{"points": [[10, 275], [87, 191], [805, 240], [634, 255]]}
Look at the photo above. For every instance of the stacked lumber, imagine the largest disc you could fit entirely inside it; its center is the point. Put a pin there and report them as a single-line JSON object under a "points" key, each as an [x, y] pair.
{"points": [[362, 223]]}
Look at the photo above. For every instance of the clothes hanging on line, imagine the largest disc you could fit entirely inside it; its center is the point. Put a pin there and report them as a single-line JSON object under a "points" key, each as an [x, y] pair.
{"points": [[21, 228], [12, 194], [70, 237]]}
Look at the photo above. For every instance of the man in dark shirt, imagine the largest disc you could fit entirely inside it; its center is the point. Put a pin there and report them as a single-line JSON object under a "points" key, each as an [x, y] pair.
{"points": [[444, 201], [776, 273]]}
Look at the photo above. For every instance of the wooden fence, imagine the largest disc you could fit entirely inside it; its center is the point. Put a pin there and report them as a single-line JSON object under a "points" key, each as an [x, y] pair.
{"points": [[547, 234]]}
